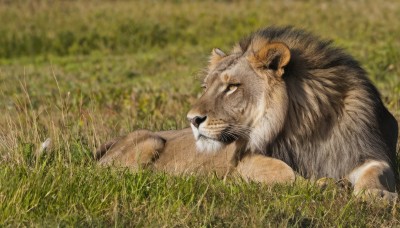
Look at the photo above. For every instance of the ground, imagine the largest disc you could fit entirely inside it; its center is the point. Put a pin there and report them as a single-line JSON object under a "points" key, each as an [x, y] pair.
{"points": [[81, 72]]}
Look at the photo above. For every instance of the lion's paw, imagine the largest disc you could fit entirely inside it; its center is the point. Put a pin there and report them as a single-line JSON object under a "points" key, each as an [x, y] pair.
{"points": [[139, 148]]}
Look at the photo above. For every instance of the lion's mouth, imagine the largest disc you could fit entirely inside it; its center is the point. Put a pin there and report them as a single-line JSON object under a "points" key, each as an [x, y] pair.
{"points": [[203, 137], [223, 138], [215, 142]]}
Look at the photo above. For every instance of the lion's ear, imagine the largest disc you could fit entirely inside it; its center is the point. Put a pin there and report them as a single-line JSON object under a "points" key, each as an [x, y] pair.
{"points": [[216, 56], [274, 56]]}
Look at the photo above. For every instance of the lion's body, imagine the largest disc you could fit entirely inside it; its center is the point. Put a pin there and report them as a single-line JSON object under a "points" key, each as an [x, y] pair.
{"points": [[286, 94], [183, 158], [174, 152]]}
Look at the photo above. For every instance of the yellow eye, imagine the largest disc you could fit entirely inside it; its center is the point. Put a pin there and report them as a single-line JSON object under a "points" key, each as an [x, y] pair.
{"points": [[204, 86], [231, 88]]}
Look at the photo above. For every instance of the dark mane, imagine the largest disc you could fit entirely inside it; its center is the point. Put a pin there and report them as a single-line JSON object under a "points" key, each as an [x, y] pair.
{"points": [[336, 118]]}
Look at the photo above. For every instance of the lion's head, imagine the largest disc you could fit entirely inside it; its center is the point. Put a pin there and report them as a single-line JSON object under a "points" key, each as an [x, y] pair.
{"points": [[244, 97], [288, 94]]}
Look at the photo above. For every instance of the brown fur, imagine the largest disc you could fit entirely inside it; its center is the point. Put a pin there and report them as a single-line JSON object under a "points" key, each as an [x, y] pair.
{"points": [[287, 94], [174, 152], [319, 112]]}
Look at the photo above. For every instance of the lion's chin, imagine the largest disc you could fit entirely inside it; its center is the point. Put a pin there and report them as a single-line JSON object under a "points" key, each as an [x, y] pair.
{"points": [[205, 145]]}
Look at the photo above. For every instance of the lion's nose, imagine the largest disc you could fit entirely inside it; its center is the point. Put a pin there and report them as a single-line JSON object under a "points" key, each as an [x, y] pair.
{"points": [[197, 120]]}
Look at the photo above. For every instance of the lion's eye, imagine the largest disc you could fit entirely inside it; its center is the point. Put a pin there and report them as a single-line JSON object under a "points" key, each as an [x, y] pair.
{"points": [[204, 86], [231, 88]]}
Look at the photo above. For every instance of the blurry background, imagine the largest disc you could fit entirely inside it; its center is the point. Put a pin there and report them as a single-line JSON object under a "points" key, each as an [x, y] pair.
{"points": [[82, 72]]}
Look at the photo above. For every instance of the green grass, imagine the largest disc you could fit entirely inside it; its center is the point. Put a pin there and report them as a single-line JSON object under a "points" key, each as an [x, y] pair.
{"points": [[82, 72]]}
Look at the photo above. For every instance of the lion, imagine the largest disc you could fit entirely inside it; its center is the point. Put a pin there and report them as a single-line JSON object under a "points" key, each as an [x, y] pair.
{"points": [[285, 99]]}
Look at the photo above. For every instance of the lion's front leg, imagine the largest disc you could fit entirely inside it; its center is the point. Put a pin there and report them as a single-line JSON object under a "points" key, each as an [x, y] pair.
{"points": [[136, 149], [264, 169], [374, 179]]}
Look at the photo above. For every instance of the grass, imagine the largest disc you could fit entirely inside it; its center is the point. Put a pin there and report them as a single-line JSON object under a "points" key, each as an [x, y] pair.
{"points": [[82, 72]]}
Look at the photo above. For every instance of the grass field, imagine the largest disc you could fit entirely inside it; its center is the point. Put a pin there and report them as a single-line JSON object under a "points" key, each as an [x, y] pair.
{"points": [[82, 72]]}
